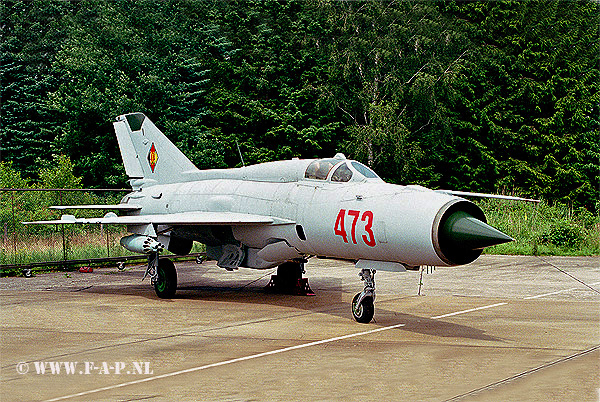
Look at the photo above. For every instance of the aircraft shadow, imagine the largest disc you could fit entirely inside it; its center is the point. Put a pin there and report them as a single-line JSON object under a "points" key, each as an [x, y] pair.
{"points": [[439, 328], [330, 298]]}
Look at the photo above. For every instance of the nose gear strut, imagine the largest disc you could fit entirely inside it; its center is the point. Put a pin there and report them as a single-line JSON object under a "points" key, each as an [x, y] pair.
{"points": [[151, 271], [362, 304]]}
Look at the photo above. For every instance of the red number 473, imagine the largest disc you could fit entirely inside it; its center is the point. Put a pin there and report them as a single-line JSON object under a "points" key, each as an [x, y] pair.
{"points": [[367, 217]]}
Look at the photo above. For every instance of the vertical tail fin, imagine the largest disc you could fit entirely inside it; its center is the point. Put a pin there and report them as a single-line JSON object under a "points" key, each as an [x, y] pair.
{"points": [[147, 153]]}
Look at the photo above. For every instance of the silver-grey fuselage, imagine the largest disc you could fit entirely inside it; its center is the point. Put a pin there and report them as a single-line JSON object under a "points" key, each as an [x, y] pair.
{"points": [[363, 218]]}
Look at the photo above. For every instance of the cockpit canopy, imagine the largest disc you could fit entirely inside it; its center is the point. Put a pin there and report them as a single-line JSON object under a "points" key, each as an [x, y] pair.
{"points": [[343, 170]]}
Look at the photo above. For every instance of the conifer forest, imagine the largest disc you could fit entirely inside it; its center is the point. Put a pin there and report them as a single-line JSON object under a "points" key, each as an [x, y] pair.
{"points": [[499, 96]]}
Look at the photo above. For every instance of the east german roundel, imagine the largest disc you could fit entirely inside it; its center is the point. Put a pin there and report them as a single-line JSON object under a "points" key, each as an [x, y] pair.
{"points": [[152, 157]]}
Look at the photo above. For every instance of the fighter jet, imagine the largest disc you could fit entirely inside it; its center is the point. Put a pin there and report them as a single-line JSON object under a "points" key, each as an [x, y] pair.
{"points": [[280, 214]]}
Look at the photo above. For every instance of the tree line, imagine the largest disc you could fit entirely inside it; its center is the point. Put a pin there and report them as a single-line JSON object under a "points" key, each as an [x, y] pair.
{"points": [[480, 96]]}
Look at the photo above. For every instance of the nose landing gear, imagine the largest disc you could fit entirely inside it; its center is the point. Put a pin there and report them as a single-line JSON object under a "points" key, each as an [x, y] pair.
{"points": [[362, 304]]}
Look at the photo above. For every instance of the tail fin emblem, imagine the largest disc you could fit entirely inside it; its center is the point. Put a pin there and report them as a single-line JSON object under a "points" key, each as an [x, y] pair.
{"points": [[152, 157]]}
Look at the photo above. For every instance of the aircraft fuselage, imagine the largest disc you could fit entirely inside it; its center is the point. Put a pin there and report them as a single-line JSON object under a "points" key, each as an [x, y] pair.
{"points": [[359, 219]]}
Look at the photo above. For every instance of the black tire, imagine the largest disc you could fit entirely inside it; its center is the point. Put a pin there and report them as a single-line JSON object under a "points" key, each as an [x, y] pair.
{"points": [[288, 274], [166, 283], [364, 312]]}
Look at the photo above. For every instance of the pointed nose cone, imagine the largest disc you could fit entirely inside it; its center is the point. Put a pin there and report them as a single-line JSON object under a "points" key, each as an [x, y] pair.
{"points": [[462, 231]]}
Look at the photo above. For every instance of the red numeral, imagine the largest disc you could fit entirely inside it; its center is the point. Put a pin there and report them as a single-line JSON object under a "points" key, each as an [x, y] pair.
{"points": [[370, 241], [339, 225], [355, 214]]}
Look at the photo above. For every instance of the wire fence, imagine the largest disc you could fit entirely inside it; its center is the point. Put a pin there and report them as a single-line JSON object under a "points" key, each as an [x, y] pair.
{"points": [[35, 245]]}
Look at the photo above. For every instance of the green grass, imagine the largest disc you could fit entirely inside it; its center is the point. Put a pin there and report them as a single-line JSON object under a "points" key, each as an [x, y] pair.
{"points": [[542, 229], [79, 245]]}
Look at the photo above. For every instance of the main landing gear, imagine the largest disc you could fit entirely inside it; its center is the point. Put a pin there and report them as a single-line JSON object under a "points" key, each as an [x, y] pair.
{"points": [[289, 280], [163, 275], [362, 304]]}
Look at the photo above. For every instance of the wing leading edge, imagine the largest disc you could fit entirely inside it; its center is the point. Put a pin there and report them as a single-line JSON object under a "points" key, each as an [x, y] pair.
{"points": [[181, 218], [119, 207], [484, 195]]}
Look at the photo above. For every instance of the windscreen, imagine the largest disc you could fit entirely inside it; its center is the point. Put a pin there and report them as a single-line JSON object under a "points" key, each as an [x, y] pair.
{"points": [[365, 171]]}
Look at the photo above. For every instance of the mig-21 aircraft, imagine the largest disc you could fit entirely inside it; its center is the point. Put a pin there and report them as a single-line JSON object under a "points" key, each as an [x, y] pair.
{"points": [[280, 214]]}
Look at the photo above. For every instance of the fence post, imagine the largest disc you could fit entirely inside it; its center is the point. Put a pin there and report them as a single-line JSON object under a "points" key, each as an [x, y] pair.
{"points": [[14, 227], [107, 242], [62, 229]]}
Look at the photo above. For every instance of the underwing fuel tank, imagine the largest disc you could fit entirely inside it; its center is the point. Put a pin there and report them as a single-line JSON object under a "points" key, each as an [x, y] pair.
{"points": [[141, 244]]}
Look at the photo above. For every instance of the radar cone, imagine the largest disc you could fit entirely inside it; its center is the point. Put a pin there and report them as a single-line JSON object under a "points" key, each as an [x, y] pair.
{"points": [[462, 231]]}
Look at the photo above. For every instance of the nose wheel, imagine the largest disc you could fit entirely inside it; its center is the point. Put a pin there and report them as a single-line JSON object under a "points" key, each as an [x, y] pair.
{"points": [[362, 304]]}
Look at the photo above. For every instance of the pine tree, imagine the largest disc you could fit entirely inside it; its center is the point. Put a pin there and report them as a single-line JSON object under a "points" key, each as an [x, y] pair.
{"points": [[32, 32]]}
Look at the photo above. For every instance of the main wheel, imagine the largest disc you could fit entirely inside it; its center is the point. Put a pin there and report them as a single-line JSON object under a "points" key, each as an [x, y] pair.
{"points": [[288, 274], [364, 311], [166, 282]]}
